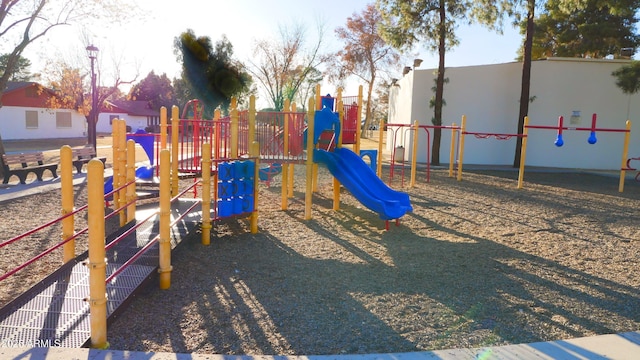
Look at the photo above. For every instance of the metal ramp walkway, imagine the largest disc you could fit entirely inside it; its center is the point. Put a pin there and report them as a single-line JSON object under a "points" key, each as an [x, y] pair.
{"points": [[54, 312]]}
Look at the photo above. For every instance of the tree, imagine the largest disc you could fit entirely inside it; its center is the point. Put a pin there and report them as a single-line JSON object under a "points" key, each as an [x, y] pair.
{"points": [[73, 91], [283, 66], [365, 52], [405, 23], [22, 22], [182, 92], [308, 88], [628, 80], [492, 13], [380, 110], [68, 85], [157, 90], [213, 76], [21, 71], [590, 28]]}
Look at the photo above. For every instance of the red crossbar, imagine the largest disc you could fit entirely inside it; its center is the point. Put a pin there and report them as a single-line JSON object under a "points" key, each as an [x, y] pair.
{"points": [[481, 135], [549, 127]]}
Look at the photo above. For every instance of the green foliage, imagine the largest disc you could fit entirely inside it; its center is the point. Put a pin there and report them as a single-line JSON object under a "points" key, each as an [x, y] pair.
{"points": [[628, 77], [408, 23], [211, 73], [432, 101], [181, 92], [432, 22], [586, 28], [157, 90], [20, 72], [308, 88]]}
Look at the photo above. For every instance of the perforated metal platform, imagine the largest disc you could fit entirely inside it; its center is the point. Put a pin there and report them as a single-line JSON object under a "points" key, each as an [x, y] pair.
{"points": [[54, 311]]}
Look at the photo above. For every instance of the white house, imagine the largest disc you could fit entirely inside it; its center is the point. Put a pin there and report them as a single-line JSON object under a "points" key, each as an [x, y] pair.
{"points": [[137, 114], [25, 114], [488, 95]]}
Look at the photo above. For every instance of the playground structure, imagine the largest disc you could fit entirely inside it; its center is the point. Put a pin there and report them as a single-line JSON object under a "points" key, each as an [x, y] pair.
{"points": [[223, 157], [592, 139], [130, 260], [283, 140], [403, 135]]}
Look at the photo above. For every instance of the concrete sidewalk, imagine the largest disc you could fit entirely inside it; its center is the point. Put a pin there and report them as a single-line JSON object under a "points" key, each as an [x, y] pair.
{"points": [[624, 346]]}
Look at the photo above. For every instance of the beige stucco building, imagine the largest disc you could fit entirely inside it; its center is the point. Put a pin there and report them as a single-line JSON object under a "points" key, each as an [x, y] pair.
{"points": [[488, 95]]}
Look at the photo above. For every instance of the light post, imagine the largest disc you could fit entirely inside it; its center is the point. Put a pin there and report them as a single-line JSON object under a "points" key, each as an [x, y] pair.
{"points": [[93, 114]]}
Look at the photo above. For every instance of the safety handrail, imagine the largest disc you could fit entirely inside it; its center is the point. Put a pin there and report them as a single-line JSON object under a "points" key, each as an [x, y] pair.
{"points": [[147, 246], [58, 245]]}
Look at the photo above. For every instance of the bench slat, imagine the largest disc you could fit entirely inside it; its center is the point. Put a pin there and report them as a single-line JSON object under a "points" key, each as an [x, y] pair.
{"points": [[83, 155], [24, 160], [13, 159]]}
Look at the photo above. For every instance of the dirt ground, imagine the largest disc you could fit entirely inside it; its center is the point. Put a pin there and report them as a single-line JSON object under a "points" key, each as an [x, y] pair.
{"points": [[477, 262]]}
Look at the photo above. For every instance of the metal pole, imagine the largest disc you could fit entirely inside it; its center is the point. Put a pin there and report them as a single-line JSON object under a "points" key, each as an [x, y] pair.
{"points": [[92, 117], [93, 114]]}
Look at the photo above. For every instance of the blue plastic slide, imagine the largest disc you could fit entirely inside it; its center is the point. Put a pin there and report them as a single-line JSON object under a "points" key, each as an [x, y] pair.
{"points": [[363, 183]]}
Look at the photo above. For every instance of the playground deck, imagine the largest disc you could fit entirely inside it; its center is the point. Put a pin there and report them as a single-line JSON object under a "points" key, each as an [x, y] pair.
{"points": [[54, 312]]}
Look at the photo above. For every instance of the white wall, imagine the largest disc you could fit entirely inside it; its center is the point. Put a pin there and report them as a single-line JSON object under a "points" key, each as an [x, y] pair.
{"points": [[562, 86], [136, 122], [13, 124], [489, 97], [400, 111]]}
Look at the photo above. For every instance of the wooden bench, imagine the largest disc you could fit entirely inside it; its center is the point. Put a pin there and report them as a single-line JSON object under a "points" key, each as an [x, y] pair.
{"points": [[29, 163], [83, 155]]}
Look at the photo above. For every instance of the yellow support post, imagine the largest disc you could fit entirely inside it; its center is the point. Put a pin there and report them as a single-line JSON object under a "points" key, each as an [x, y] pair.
{"points": [[252, 120], [315, 178], [175, 123], [165, 221], [131, 180], [463, 125], [523, 151], [234, 128], [66, 188], [318, 104], [359, 121], [291, 179], [115, 142], [414, 153], [291, 170], [452, 150], [625, 154], [255, 153], [122, 169], [97, 263], [206, 194], [163, 128], [285, 169], [308, 196], [380, 139]]}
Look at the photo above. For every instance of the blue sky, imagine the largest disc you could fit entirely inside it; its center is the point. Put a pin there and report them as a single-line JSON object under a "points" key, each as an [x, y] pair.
{"points": [[147, 44]]}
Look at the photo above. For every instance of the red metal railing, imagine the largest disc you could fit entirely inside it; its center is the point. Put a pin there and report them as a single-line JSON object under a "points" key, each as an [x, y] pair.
{"points": [[350, 124], [59, 244], [147, 246], [270, 135]]}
